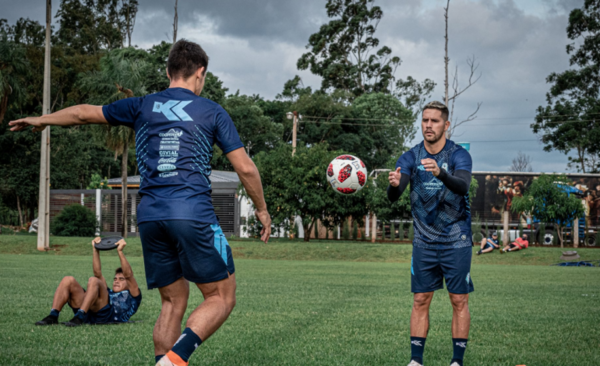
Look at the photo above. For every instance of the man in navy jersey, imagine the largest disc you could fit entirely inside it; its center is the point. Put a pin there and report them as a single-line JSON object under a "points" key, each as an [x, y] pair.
{"points": [[175, 132], [439, 173], [98, 304]]}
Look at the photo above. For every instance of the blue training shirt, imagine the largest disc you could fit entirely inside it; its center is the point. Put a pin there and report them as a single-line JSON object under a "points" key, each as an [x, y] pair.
{"points": [[123, 305], [175, 131], [442, 219]]}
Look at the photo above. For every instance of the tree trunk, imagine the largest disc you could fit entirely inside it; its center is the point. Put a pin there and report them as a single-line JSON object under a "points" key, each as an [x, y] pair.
{"points": [[560, 236], [20, 212], [307, 232], [124, 188]]}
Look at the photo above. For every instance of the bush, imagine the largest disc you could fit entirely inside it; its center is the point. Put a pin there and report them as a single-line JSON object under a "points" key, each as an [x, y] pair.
{"points": [[363, 237], [316, 229], [411, 232], [392, 231], [75, 220], [355, 230], [346, 231]]}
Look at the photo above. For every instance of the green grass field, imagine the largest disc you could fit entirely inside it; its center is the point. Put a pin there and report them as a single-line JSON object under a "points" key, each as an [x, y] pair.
{"points": [[323, 303]]}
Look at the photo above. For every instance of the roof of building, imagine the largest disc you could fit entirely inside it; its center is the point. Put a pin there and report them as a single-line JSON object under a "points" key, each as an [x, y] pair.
{"points": [[217, 176]]}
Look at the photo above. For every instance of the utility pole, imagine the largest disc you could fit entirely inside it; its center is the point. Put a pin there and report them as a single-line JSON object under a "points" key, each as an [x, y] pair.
{"points": [[294, 133], [175, 21], [43, 242]]}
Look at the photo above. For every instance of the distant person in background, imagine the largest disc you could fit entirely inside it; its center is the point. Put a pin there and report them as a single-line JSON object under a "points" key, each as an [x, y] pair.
{"points": [[488, 244], [520, 243]]}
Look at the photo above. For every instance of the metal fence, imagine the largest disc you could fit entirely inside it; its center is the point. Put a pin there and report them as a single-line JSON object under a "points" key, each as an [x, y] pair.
{"points": [[107, 205]]}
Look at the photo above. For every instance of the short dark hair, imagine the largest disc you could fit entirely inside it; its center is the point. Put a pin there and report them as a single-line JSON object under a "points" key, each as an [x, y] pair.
{"points": [[118, 270], [185, 58], [440, 107]]}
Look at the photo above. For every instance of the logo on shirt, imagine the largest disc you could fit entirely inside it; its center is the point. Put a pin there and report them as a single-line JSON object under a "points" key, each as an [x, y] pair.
{"points": [[173, 110], [445, 166], [169, 151], [421, 167]]}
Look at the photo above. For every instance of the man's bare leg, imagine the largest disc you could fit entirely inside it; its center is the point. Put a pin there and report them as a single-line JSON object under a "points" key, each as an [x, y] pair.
{"points": [[68, 291], [419, 325], [96, 296], [483, 241], [219, 300], [167, 329], [461, 322]]}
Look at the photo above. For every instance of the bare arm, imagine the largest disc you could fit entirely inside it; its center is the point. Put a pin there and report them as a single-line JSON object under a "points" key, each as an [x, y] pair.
{"points": [[96, 261], [83, 114], [250, 177], [134, 289]]}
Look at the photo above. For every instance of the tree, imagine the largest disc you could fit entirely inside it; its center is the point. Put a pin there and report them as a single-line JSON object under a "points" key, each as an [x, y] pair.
{"points": [[346, 53], [522, 163], [547, 201], [456, 89], [569, 121], [13, 65], [297, 186], [121, 76]]}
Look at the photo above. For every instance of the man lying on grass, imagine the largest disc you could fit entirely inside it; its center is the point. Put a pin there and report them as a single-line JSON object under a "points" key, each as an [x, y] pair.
{"points": [[488, 244], [98, 304], [520, 243]]}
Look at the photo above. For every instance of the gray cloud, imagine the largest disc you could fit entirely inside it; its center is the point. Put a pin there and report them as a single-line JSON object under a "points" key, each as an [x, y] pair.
{"points": [[254, 46]]}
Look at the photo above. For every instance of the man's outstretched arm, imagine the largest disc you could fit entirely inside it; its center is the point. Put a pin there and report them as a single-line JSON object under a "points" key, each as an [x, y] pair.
{"points": [[250, 177], [96, 261], [77, 115], [134, 289]]}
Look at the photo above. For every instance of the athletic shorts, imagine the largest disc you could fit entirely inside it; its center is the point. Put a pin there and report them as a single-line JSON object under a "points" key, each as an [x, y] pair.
{"points": [[429, 268], [488, 245], [173, 249]]}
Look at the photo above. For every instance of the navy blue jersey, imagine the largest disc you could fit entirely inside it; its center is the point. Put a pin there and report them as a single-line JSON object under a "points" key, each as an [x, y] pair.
{"points": [[123, 305], [442, 219], [175, 131], [495, 241]]}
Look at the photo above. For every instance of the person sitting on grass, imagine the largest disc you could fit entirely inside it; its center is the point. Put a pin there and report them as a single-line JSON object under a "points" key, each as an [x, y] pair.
{"points": [[98, 304], [488, 244], [520, 243]]}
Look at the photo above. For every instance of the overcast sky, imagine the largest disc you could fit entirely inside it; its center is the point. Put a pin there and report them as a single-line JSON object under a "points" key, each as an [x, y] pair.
{"points": [[254, 45]]}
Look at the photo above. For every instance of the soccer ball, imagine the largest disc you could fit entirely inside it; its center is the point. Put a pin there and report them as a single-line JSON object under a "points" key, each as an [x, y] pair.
{"points": [[347, 174]]}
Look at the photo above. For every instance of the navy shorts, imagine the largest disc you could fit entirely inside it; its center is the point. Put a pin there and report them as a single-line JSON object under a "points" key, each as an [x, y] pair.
{"points": [[173, 249], [430, 267]]}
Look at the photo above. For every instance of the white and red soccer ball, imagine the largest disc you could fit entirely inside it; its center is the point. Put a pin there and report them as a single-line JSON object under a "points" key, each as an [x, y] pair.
{"points": [[347, 174]]}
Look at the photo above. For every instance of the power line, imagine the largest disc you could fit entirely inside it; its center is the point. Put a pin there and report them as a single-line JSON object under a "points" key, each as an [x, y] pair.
{"points": [[387, 125]]}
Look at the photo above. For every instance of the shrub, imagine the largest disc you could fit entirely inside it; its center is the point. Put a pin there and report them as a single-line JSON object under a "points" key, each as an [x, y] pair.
{"points": [[411, 232], [75, 220], [392, 231], [316, 229], [363, 237], [355, 230], [542, 234]]}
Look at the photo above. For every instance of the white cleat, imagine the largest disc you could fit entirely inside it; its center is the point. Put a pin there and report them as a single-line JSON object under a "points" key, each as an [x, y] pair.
{"points": [[165, 361], [455, 364], [415, 363]]}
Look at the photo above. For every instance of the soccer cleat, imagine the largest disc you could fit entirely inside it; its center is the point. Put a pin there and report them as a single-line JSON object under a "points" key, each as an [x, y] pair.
{"points": [[166, 361], [478, 252], [49, 320], [75, 322], [414, 363], [454, 364]]}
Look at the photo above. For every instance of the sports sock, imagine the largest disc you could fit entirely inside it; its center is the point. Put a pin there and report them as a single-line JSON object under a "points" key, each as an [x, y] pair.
{"points": [[157, 358], [460, 346], [55, 313], [186, 345], [417, 346], [81, 314]]}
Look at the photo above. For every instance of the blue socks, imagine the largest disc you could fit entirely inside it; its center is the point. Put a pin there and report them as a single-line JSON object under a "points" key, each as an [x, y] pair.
{"points": [[54, 313], [460, 346], [417, 346], [187, 344], [81, 315]]}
